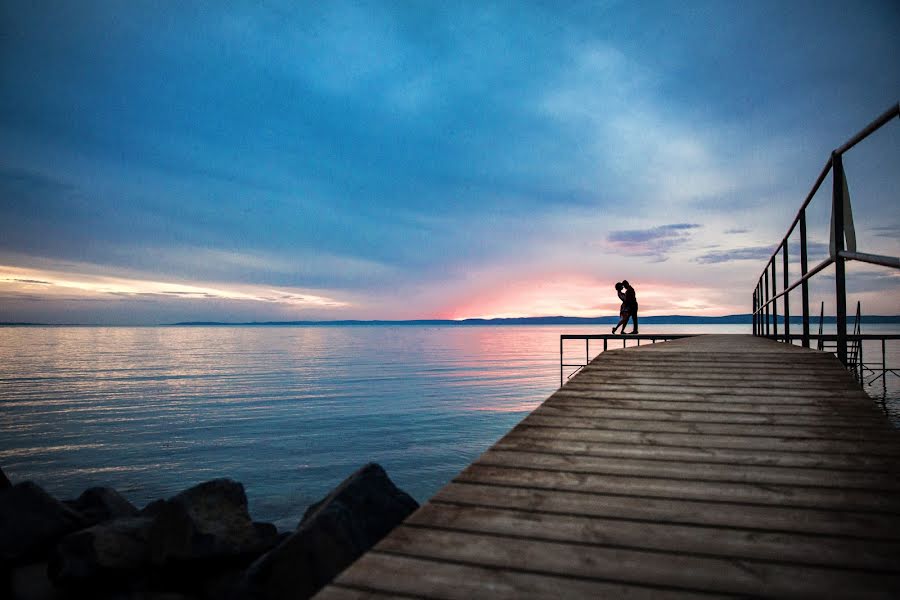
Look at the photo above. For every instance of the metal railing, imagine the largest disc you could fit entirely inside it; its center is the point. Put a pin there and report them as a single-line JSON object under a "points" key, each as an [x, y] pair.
{"points": [[766, 294], [606, 337]]}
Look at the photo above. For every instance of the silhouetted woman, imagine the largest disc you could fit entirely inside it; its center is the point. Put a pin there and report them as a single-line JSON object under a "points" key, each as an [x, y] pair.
{"points": [[623, 310]]}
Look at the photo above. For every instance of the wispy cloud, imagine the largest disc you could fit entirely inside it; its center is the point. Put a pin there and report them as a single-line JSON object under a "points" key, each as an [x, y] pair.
{"points": [[656, 242], [760, 253], [16, 280]]}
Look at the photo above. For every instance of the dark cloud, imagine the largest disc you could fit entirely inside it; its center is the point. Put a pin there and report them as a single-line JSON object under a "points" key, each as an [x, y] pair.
{"points": [[656, 242]]}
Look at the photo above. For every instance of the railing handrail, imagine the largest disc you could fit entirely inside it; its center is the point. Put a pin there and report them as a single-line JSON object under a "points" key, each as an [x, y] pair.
{"points": [[765, 296], [883, 119]]}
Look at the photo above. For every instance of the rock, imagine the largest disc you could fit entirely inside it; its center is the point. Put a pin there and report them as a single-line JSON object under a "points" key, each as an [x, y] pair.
{"points": [[4, 481], [207, 521], [109, 550], [332, 534], [202, 530], [31, 522], [98, 504], [30, 582]]}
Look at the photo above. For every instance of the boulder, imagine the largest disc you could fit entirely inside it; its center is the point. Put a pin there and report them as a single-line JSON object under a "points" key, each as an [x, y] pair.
{"points": [[32, 521], [332, 534], [203, 529], [98, 504], [207, 521], [111, 550], [30, 582], [4, 481]]}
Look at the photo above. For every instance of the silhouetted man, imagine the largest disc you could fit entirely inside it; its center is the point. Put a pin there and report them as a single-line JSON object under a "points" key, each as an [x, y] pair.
{"points": [[631, 305]]}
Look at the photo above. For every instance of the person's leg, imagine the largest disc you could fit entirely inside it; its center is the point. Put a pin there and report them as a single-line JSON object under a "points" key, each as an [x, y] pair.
{"points": [[634, 319]]}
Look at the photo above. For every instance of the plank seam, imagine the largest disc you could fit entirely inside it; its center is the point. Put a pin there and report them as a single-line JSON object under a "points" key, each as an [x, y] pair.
{"points": [[532, 487], [739, 528], [693, 554]]}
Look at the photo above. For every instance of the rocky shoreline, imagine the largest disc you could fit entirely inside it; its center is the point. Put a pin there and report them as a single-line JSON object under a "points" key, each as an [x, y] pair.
{"points": [[200, 544]]}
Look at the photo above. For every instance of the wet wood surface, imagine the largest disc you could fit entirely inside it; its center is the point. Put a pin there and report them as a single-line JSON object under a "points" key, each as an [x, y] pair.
{"points": [[712, 466]]}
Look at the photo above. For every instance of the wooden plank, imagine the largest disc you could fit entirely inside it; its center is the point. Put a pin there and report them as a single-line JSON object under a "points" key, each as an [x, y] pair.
{"points": [[562, 409], [786, 391], [678, 570], [837, 402], [423, 578], [694, 471], [692, 539], [594, 400], [707, 455], [713, 441], [659, 487], [751, 517], [542, 418], [336, 592]]}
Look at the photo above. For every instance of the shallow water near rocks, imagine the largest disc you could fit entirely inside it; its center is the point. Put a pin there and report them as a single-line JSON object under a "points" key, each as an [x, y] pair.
{"points": [[287, 411]]}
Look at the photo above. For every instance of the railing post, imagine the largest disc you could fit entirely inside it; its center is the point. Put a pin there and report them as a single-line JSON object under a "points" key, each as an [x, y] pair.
{"points": [[766, 287], [560, 361], [840, 284], [759, 301], [804, 287], [774, 301], [753, 313], [787, 302]]}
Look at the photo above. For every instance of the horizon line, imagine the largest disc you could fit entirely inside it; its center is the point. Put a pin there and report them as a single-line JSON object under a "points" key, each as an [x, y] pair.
{"points": [[735, 319]]}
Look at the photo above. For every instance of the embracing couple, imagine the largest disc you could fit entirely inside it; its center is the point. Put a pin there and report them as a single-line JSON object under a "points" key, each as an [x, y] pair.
{"points": [[629, 307]]}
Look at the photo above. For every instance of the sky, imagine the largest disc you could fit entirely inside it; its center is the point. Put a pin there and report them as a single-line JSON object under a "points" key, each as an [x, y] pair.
{"points": [[406, 160]]}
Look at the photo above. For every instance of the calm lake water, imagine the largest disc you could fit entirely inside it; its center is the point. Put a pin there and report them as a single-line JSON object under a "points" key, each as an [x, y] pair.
{"points": [[288, 411]]}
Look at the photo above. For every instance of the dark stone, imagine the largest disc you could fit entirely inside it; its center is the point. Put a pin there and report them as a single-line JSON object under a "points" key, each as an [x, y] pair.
{"points": [[32, 521], [333, 533], [201, 531], [98, 504], [207, 521], [109, 550], [30, 582], [4, 481]]}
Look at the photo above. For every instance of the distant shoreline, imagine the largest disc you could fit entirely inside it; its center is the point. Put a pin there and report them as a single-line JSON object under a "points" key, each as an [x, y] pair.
{"points": [[742, 319]]}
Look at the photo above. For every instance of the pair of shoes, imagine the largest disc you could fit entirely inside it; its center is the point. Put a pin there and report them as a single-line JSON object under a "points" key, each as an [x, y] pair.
{"points": [[632, 332], [614, 329]]}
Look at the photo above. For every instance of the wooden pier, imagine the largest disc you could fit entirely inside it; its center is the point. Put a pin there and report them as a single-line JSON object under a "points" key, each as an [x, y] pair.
{"points": [[716, 465]]}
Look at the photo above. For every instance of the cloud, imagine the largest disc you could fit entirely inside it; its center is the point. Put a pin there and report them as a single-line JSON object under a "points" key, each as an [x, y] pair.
{"points": [[69, 284], [760, 253], [656, 242]]}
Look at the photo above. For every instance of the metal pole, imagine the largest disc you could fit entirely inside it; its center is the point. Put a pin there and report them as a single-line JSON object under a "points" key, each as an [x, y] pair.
{"points": [[840, 284], [560, 361], [604, 344], [804, 287], [774, 293], [766, 287], [587, 351], [787, 303], [759, 298], [753, 326]]}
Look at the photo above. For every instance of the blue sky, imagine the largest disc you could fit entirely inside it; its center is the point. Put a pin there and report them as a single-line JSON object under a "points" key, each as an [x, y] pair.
{"points": [[413, 160]]}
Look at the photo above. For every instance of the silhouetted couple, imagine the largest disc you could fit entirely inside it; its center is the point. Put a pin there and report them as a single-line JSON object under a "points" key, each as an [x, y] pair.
{"points": [[629, 308]]}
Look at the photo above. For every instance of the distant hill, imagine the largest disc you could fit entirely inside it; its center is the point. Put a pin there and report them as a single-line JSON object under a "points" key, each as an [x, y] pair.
{"points": [[744, 319]]}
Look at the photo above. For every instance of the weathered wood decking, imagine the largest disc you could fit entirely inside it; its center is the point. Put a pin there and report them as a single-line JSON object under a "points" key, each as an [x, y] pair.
{"points": [[709, 466]]}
